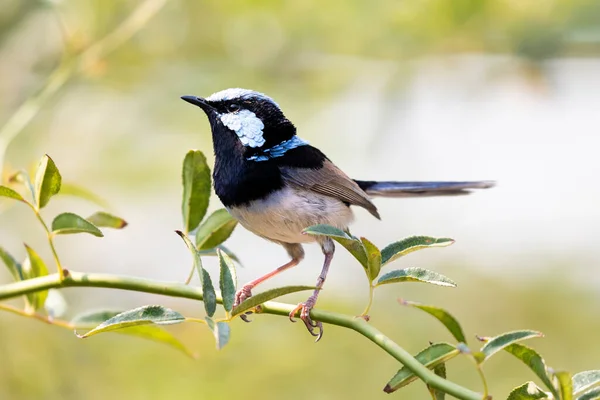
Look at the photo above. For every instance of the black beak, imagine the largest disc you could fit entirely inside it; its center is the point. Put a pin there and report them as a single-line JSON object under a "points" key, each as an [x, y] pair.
{"points": [[200, 102]]}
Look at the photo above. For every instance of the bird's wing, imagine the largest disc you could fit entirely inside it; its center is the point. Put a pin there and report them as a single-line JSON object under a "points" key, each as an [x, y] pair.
{"points": [[330, 181], [421, 189]]}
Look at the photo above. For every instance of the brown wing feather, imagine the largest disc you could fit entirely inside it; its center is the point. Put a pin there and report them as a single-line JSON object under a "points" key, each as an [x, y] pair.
{"points": [[330, 181]]}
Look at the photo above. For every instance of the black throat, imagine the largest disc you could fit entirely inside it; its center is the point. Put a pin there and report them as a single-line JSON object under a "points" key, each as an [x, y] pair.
{"points": [[238, 181]]}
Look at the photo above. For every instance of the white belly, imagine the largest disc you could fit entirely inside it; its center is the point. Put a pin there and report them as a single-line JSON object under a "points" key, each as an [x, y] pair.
{"points": [[284, 214]]}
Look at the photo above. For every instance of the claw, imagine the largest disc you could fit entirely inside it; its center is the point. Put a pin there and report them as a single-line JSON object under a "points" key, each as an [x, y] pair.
{"points": [[320, 334], [294, 311], [244, 316], [311, 325]]}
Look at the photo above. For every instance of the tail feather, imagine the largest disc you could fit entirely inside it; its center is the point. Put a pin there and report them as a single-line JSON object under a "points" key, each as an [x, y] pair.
{"points": [[421, 189]]}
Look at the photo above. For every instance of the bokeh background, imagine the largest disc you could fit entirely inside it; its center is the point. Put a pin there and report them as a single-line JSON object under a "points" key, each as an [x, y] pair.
{"points": [[415, 90]]}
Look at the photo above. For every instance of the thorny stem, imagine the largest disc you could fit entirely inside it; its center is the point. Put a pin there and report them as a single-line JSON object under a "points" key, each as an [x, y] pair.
{"points": [[79, 279]]}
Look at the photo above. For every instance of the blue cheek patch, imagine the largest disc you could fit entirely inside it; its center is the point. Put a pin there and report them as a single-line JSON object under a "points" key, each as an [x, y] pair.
{"points": [[247, 126], [279, 150]]}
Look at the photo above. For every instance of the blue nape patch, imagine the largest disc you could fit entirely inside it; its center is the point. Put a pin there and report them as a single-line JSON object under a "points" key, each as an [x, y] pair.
{"points": [[279, 150]]}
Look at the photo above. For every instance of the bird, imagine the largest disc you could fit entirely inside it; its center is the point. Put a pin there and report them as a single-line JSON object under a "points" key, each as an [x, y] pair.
{"points": [[275, 184]]}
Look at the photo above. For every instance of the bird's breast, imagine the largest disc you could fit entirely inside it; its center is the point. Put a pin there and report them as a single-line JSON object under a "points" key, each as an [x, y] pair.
{"points": [[284, 214], [238, 181]]}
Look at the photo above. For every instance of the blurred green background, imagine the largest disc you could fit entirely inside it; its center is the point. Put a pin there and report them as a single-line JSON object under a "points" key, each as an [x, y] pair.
{"points": [[416, 89]]}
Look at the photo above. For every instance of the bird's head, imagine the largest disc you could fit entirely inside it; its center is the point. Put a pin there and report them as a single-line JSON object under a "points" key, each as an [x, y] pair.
{"points": [[253, 118]]}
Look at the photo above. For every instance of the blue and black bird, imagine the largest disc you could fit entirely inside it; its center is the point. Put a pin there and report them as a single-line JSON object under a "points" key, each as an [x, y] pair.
{"points": [[276, 184]]}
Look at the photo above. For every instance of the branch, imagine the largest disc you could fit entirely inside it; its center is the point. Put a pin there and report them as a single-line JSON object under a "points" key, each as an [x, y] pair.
{"points": [[79, 279]]}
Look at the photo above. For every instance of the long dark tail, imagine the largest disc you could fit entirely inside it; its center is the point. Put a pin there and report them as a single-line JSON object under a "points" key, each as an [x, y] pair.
{"points": [[421, 189]]}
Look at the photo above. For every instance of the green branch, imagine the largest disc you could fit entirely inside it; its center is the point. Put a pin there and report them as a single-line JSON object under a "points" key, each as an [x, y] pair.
{"points": [[80, 279]]}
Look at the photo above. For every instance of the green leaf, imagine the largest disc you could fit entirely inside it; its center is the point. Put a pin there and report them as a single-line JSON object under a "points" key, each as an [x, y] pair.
{"points": [[208, 290], [8, 192], [591, 395], [498, 343], [439, 370], [15, 268], [443, 316], [138, 316], [583, 381], [47, 181], [33, 268], [373, 258], [215, 229], [196, 189], [227, 281], [193, 250], [67, 223], [38, 267], [352, 244], [266, 296], [415, 274], [90, 319], [534, 361], [565, 385], [408, 245], [106, 220], [432, 356], [221, 332], [72, 189], [527, 391]]}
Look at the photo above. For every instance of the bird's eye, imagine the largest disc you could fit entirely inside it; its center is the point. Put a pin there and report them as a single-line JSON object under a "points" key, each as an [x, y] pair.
{"points": [[233, 107]]}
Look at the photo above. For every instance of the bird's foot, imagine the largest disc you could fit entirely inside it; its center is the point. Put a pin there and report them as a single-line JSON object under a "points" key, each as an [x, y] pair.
{"points": [[311, 325], [244, 293]]}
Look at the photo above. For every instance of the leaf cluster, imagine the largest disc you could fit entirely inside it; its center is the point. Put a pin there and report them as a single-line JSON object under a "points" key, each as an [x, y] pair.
{"points": [[46, 185], [204, 233]]}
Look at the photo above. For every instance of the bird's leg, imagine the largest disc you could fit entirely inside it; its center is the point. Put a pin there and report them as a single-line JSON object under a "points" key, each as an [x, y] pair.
{"points": [[328, 248], [294, 250], [246, 291]]}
